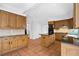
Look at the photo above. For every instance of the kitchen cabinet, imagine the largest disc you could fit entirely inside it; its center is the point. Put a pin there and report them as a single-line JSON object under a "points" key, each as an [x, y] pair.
{"points": [[25, 40], [3, 19], [61, 23], [76, 15], [19, 43], [21, 21], [69, 50], [50, 22], [12, 20], [59, 36], [11, 43], [22, 41], [0, 47], [5, 44], [47, 40], [0, 19]]}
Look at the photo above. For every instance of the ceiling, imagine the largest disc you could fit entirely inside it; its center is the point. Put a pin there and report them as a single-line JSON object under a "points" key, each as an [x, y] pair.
{"points": [[41, 9], [18, 8]]}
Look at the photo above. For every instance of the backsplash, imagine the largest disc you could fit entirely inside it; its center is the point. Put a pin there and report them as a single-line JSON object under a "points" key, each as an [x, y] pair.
{"points": [[12, 32]]}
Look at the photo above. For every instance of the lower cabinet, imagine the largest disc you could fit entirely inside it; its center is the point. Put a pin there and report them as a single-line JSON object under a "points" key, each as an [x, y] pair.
{"points": [[22, 41], [0, 47], [69, 50], [8, 44], [13, 43], [47, 40], [59, 36]]}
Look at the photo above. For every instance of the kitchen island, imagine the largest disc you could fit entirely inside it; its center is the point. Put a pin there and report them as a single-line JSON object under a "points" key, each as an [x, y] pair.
{"points": [[47, 40]]}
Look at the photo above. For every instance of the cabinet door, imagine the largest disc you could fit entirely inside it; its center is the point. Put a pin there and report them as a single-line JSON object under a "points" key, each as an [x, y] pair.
{"points": [[77, 15], [69, 50], [21, 21], [19, 42], [4, 19], [13, 43], [0, 47], [59, 36], [12, 20], [0, 19], [24, 41], [5, 45]]}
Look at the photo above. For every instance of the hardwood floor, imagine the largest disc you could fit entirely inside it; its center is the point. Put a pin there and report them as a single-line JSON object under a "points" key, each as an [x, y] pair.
{"points": [[35, 49]]}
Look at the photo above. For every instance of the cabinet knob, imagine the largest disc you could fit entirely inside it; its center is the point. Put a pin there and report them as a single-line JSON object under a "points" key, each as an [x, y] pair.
{"points": [[43, 37], [9, 42]]}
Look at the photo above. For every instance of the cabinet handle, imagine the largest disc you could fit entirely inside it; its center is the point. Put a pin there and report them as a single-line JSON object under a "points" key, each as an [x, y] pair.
{"points": [[43, 37], [9, 42]]}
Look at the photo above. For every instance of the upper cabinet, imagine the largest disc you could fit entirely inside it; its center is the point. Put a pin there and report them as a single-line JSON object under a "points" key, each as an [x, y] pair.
{"points": [[11, 21], [21, 21], [4, 19], [76, 14], [61, 23]]}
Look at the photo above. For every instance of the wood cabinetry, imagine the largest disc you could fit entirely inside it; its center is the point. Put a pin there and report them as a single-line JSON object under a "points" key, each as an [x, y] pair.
{"points": [[22, 41], [59, 36], [3, 19], [11, 21], [50, 22], [76, 15], [47, 40], [61, 23], [0, 19], [0, 47], [13, 43], [69, 50], [8, 44], [21, 21], [5, 44]]}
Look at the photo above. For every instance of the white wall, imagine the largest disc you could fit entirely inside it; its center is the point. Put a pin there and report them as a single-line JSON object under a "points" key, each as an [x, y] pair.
{"points": [[9, 32], [39, 15]]}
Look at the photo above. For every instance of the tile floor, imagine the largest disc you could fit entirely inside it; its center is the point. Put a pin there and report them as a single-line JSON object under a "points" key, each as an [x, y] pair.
{"points": [[35, 49]]}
